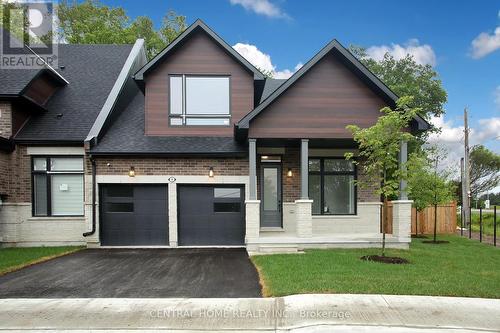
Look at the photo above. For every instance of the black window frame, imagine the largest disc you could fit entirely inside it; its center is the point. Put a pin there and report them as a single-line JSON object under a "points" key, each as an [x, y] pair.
{"points": [[322, 173], [183, 116], [48, 173]]}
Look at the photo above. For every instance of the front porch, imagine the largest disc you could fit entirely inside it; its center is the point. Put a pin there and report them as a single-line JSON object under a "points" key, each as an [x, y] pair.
{"points": [[301, 195]]}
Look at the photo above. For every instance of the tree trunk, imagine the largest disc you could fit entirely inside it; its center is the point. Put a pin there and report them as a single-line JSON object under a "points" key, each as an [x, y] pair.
{"points": [[435, 221]]}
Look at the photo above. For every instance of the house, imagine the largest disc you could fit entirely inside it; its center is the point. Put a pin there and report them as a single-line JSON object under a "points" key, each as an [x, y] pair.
{"points": [[193, 148]]}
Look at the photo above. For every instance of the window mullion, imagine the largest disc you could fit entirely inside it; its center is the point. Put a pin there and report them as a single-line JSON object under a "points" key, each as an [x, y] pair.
{"points": [[184, 99], [322, 185]]}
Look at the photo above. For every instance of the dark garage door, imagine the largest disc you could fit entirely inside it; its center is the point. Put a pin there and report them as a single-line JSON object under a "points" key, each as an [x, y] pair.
{"points": [[134, 215], [211, 215]]}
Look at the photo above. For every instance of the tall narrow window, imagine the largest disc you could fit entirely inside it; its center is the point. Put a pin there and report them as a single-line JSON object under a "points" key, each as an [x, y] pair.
{"points": [[57, 186], [331, 186], [199, 100]]}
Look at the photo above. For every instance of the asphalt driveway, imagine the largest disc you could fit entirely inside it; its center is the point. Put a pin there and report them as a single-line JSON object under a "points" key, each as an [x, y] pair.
{"points": [[137, 273]]}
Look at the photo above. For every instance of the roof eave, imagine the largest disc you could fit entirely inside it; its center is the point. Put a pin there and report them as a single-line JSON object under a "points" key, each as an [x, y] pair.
{"points": [[139, 75]]}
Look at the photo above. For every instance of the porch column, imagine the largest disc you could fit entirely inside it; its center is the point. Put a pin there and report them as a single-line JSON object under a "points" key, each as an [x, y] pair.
{"points": [[304, 169], [303, 207], [403, 158], [252, 217]]}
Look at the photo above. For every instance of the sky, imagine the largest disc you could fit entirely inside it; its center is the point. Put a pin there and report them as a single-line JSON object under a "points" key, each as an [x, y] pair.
{"points": [[460, 39]]}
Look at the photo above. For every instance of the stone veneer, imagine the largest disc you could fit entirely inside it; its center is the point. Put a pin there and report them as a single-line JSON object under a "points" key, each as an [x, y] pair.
{"points": [[5, 120]]}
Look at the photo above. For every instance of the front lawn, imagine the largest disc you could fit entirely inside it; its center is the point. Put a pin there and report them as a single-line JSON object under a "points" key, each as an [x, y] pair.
{"points": [[461, 268], [14, 258]]}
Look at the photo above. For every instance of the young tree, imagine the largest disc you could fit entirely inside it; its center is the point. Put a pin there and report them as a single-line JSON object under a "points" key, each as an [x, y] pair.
{"points": [[427, 184], [379, 146], [408, 78], [91, 22], [484, 170]]}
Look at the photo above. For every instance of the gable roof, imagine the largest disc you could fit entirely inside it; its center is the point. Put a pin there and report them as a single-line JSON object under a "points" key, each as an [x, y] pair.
{"points": [[352, 63], [80, 101], [197, 25]]}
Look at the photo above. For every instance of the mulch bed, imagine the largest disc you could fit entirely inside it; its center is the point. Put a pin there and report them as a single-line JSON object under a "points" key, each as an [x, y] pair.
{"points": [[419, 236], [385, 260], [435, 242]]}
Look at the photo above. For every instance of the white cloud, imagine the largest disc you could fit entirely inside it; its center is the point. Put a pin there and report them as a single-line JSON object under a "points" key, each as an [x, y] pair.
{"points": [[423, 54], [451, 138], [485, 43], [261, 7], [262, 60]]}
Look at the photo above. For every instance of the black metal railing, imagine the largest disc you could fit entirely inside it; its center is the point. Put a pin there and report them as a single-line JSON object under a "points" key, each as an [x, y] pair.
{"points": [[482, 226]]}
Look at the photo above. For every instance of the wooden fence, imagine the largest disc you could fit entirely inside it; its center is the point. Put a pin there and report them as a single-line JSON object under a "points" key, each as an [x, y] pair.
{"points": [[446, 219]]}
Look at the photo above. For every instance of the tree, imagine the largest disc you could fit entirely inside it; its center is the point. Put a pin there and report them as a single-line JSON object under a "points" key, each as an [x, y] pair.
{"points": [[91, 22], [484, 170], [379, 146], [427, 184], [408, 78], [12, 19]]}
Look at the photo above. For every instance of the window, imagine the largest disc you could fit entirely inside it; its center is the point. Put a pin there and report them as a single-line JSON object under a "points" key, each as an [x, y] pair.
{"points": [[199, 100], [57, 186], [331, 186]]}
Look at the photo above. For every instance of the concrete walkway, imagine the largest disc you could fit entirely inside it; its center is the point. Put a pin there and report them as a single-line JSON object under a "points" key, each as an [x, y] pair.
{"points": [[300, 313]]}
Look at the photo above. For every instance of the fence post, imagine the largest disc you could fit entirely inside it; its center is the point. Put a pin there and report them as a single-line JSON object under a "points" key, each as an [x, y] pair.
{"points": [[495, 225], [480, 224]]}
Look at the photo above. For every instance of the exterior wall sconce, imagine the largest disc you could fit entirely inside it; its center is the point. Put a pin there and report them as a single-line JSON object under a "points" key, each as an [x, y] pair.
{"points": [[131, 172], [211, 172], [289, 173]]}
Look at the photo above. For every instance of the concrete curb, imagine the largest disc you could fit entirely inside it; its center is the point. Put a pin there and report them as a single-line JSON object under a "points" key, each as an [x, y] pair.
{"points": [[304, 313]]}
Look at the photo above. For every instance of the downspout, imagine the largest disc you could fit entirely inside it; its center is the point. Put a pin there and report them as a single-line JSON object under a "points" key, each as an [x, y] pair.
{"points": [[92, 231]]}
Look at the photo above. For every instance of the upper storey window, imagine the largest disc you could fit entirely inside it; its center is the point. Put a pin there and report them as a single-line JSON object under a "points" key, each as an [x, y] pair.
{"points": [[199, 100]]}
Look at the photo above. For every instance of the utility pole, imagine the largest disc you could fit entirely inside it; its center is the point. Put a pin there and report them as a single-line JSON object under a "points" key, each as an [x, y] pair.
{"points": [[466, 184], [464, 196]]}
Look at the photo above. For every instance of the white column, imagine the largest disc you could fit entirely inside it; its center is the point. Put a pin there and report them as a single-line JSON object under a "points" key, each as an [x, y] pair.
{"points": [[172, 214], [401, 220]]}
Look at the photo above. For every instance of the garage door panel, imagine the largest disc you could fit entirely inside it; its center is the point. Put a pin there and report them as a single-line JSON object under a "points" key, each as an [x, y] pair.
{"points": [[134, 215], [211, 215]]}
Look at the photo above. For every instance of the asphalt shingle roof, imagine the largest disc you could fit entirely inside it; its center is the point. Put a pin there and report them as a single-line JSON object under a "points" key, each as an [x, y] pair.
{"points": [[91, 71], [126, 136]]}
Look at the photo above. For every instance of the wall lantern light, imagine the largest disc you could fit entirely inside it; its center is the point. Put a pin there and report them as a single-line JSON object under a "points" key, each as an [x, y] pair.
{"points": [[131, 172], [211, 172], [289, 173]]}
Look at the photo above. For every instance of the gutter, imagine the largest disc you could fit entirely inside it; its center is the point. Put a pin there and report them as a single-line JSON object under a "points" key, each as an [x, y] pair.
{"points": [[94, 213]]}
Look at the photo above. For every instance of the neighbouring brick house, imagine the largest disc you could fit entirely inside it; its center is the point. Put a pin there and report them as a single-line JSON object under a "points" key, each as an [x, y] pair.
{"points": [[193, 148]]}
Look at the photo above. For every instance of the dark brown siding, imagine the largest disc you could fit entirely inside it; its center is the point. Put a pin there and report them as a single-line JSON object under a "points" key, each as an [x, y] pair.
{"points": [[41, 89], [198, 55], [319, 105]]}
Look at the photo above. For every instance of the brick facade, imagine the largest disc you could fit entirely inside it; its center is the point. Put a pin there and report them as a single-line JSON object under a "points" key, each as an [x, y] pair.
{"points": [[170, 166], [5, 119], [15, 175]]}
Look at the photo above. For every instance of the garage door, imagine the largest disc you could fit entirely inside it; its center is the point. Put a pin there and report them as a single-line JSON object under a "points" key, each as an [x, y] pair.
{"points": [[134, 215], [211, 215]]}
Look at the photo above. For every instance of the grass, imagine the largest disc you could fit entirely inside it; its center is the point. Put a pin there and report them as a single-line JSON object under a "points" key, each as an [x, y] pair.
{"points": [[460, 268], [487, 223], [12, 259]]}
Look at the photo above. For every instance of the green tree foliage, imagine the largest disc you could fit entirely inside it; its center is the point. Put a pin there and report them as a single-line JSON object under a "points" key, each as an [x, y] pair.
{"points": [[12, 19], [379, 146], [407, 78], [91, 22], [484, 170]]}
